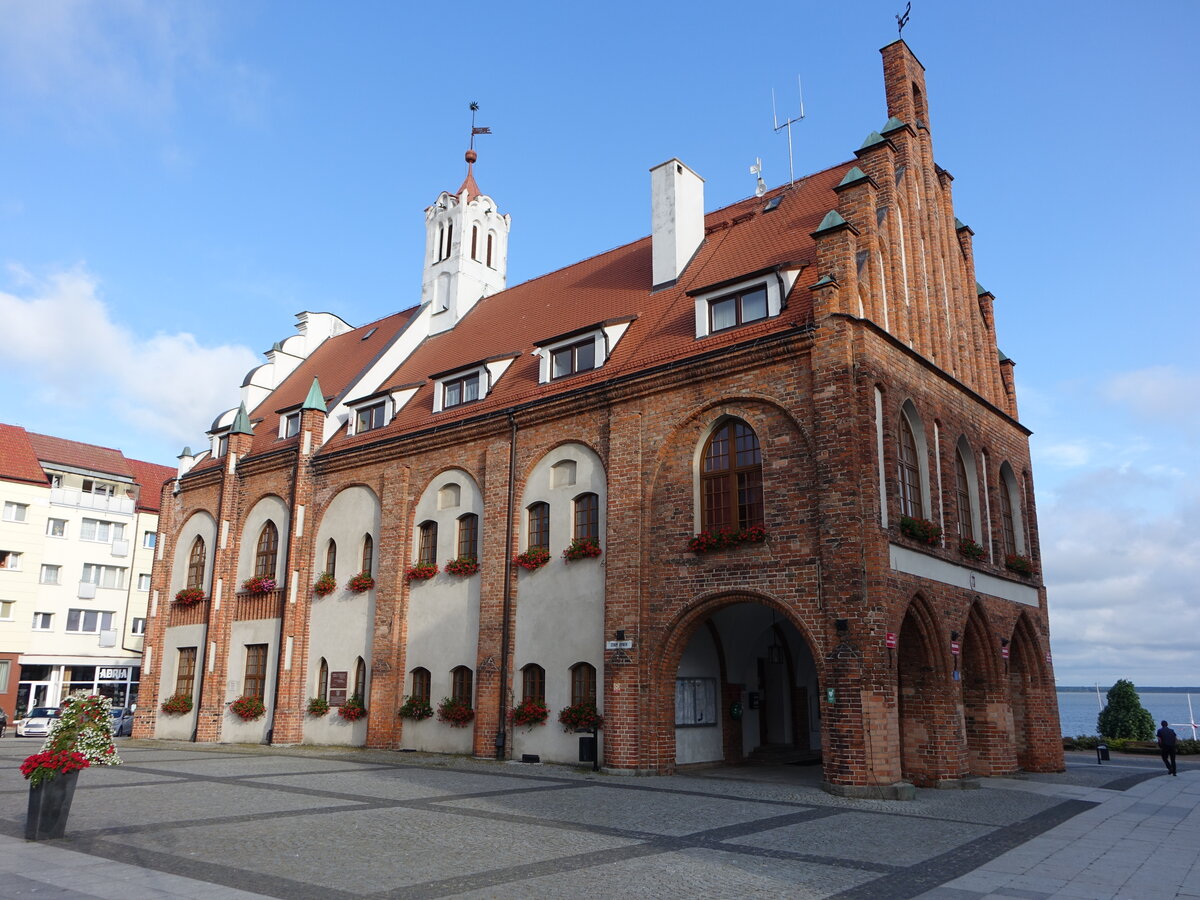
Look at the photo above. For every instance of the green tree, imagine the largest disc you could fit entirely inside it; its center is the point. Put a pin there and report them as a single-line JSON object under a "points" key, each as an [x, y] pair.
{"points": [[1124, 716]]}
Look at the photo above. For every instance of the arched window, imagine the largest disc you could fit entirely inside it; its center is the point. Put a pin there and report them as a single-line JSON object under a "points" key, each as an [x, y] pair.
{"points": [[427, 543], [196, 561], [268, 547], [421, 684], [460, 685], [489, 247], [449, 239], [533, 683], [360, 680], [539, 526], [731, 478], [468, 536], [1010, 512], [323, 680], [331, 557], [910, 472], [474, 242], [583, 684], [587, 516], [368, 555], [962, 494]]}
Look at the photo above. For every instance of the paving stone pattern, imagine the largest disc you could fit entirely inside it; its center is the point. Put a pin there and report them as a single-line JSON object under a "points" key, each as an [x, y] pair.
{"points": [[234, 822]]}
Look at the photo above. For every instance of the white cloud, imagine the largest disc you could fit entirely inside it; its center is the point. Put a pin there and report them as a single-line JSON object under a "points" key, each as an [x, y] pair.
{"points": [[1162, 394], [63, 343]]}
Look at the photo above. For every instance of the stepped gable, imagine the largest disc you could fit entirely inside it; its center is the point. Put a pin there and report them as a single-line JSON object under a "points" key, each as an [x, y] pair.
{"points": [[740, 240], [336, 364], [79, 455], [18, 462]]}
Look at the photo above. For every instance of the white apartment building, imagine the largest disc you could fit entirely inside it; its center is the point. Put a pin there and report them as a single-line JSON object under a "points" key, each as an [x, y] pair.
{"points": [[78, 530]]}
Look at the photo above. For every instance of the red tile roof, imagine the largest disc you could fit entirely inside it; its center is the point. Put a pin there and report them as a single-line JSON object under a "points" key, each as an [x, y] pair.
{"points": [[741, 239], [337, 363], [18, 462], [80, 456], [150, 478]]}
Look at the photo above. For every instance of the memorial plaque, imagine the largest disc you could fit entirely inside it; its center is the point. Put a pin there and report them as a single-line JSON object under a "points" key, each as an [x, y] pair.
{"points": [[337, 688]]}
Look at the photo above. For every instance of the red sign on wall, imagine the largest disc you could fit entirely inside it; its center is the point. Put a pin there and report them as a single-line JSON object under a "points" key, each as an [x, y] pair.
{"points": [[1004, 652], [955, 647], [890, 640]]}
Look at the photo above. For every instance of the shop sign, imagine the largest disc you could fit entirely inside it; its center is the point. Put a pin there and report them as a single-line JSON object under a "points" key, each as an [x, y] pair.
{"points": [[117, 674]]}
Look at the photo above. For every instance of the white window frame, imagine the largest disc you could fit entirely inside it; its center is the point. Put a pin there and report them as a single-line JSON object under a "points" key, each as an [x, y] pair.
{"points": [[286, 423], [43, 621], [46, 569], [149, 539], [101, 619], [143, 581], [605, 337], [358, 410], [12, 561], [462, 378], [50, 528], [775, 298], [103, 531], [96, 573], [6, 610], [16, 512], [99, 488], [137, 626]]}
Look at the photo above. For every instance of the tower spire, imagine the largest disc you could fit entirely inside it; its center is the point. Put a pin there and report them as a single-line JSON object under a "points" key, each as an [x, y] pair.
{"points": [[469, 184]]}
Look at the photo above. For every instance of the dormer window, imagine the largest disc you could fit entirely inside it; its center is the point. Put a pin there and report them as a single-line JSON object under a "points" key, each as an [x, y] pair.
{"points": [[463, 389], [368, 418], [732, 310], [290, 426], [222, 445], [577, 357]]}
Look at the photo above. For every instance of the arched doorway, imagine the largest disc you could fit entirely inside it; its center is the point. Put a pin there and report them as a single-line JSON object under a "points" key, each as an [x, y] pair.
{"points": [[1033, 701], [745, 655], [987, 716], [930, 722]]}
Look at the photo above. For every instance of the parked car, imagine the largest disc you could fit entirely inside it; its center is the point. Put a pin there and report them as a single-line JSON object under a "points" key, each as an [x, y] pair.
{"points": [[38, 722], [122, 721]]}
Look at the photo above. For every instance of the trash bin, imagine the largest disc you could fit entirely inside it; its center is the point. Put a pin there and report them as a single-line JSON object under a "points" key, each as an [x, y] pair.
{"points": [[587, 748], [1101, 753]]}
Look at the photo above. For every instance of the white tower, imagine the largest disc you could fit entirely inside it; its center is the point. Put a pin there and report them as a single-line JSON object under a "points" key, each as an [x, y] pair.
{"points": [[466, 252]]}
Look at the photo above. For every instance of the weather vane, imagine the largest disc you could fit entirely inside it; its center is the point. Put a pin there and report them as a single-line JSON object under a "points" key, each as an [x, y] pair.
{"points": [[902, 19], [474, 129]]}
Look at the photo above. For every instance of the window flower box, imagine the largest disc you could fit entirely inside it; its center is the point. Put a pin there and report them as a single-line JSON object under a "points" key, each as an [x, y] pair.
{"points": [[724, 538], [177, 704], [1022, 565], [415, 708], [463, 566], [421, 572], [582, 548], [530, 712], [970, 549], [456, 713], [248, 708], [259, 584], [325, 584], [580, 717], [353, 709], [532, 559], [318, 706], [189, 596], [920, 530], [363, 582]]}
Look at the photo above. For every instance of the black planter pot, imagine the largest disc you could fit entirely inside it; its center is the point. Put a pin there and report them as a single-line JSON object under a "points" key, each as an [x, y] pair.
{"points": [[49, 806]]}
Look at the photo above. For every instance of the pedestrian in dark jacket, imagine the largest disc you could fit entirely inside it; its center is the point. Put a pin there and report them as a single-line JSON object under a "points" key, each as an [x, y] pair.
{"points": [[1166, 746]]}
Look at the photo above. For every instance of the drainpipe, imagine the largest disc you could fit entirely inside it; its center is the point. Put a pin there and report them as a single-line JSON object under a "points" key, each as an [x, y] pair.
{"points": [[502, 705]]}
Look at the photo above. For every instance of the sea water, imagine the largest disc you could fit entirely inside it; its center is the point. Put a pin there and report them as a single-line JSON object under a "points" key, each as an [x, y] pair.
{"points": [[1078, 710]]}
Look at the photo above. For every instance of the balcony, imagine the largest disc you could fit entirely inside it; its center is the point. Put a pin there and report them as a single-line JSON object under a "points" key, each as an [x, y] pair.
{"points": [[120, 548], [87, 591], [122, 506]]}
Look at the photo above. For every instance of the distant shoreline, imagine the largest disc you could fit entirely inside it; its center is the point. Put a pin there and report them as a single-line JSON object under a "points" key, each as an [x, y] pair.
{"points": [[1145, 689]]}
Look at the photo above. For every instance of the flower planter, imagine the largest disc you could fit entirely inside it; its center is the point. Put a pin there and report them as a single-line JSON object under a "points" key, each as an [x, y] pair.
{"points": [[920, 530], [259, 585], [708, 541], [582, 548], [49, 806], [533, 559], [463, 567], [325, 585], [421, 572], [189, 596], [363, 582]]}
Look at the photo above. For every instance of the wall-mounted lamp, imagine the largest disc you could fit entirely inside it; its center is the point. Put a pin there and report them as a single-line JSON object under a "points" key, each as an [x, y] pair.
{"points": [[1003, 642], [954, 635]]}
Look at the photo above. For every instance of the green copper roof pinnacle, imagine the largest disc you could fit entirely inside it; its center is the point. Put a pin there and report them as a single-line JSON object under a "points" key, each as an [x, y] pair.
{"points": [[872, 139], [833, 219], [241, 422], [853, 176], [315, 399], [891, 125]]}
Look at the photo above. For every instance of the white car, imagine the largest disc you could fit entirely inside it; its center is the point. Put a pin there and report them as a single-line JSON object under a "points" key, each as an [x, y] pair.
{"points": [[38, 722]]}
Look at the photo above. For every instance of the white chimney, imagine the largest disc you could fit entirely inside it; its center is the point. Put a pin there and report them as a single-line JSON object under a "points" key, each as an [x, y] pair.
{"points": [[677, 218]]}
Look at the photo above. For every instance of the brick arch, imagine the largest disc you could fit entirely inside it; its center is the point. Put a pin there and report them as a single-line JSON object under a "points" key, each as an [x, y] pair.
{"points": [[321, 507], [931, 745], [664, 663], [987, 713], [535, 454], [1034, 701]]}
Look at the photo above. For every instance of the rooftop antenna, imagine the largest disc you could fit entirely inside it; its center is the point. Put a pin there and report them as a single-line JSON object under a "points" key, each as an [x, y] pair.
{"points": [[761, 187], [902, 18], [788, 126]]}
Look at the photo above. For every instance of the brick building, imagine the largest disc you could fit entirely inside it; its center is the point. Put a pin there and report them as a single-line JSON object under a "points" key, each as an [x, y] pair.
{"points": [[784, 426]]}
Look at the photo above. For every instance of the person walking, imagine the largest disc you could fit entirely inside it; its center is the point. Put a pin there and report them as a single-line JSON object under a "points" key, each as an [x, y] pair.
{"points": [[3, 721], [1166, 746]]}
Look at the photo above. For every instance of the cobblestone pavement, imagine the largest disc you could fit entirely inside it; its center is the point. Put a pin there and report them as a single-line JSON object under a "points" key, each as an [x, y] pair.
{"points": [[182, 820]]}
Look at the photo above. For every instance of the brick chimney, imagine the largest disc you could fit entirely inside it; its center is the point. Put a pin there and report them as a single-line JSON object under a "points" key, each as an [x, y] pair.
{"points": [[677, 219]]}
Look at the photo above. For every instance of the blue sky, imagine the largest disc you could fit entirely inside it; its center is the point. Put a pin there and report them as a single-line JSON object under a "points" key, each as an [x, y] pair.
{"points": [[177, 180]]}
